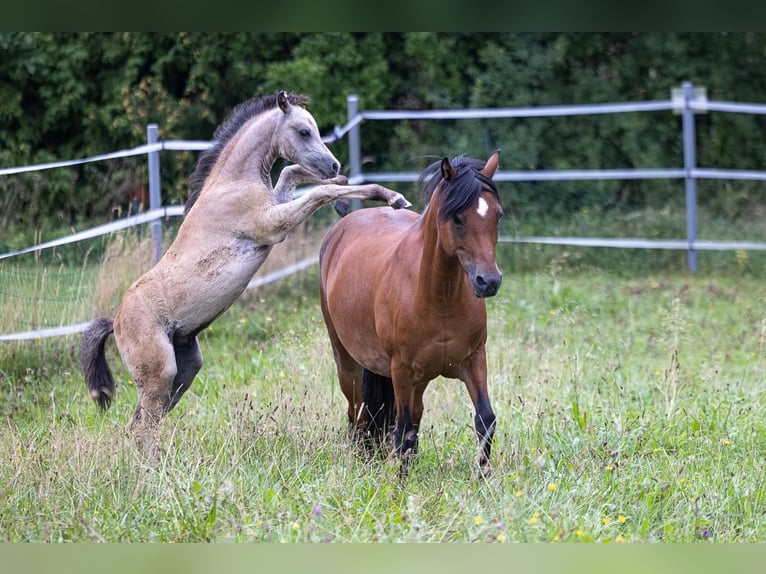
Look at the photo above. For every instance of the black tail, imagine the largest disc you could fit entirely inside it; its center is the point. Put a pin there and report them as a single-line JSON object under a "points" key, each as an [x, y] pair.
{"points": [[378, 397], [95, 370]]}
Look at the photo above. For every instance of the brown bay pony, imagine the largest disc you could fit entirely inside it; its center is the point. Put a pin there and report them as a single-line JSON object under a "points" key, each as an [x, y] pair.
{"points": [[233, 218], [402, 297]]}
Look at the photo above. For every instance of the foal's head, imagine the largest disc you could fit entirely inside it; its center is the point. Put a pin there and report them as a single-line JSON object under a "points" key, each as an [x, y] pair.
{"points": [[468, 213], [298, 140], [295, 138]]}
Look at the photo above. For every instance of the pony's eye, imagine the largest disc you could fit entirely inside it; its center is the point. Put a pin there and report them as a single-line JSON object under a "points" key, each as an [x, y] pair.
{"points": [[458, 219], [304, 132]]}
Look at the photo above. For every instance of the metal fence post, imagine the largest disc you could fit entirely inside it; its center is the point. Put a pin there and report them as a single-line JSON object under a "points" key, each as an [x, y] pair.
{"points": [[354, 146], [690, 161], [155, 199]]}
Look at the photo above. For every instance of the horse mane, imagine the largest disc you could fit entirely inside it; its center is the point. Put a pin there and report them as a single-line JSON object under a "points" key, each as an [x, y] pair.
{"points": [[459, 193], [238, 117]]}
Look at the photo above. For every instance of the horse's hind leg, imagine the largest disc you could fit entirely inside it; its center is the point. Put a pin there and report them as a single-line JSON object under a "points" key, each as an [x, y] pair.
{"points": [[188, 364], [350, 379], [379, 405]]}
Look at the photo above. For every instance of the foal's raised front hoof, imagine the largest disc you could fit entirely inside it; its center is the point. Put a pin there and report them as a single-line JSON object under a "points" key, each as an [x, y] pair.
{"points": [[342, 207], [400, 203], [337, 180]]}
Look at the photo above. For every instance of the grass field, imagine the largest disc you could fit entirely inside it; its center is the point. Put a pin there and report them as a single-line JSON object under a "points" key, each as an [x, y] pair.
{"points": [[629, 409]]}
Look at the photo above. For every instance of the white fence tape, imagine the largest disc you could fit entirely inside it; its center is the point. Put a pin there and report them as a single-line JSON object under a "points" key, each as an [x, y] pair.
{"points": [[177, 145], [146, 217], [681, 244], [80, 327]]}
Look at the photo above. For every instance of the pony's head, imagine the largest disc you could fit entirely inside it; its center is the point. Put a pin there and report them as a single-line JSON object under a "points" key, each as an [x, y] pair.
{"points": [[298, 140], [468, 212]]}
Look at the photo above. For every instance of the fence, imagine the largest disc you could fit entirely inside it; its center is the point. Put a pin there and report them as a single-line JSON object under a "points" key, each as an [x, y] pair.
{"points": [[685, 100]]}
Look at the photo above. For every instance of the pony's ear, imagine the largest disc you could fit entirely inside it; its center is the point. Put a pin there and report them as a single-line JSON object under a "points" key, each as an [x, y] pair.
{"points": [[448, 171], [490, 167], [282, 101]]}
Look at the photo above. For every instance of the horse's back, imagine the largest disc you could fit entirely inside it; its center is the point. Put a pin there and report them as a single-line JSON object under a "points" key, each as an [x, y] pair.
{"points": [[366, 236]]}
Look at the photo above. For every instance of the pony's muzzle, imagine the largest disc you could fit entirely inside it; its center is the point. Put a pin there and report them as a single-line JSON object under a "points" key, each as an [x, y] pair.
{"points": [[486, 285]]}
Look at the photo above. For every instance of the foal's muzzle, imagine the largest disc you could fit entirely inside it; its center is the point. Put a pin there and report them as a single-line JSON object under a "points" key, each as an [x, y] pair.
{"points": [[329, 169], [324, 166]]}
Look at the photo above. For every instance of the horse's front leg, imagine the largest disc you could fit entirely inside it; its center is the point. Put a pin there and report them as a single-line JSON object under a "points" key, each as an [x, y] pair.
{"points": [[474, 375], [408, 412]]}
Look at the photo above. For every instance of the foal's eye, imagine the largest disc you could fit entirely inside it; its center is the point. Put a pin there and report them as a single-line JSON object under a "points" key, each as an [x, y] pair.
{"points": [[458, 219], [304, 132]]}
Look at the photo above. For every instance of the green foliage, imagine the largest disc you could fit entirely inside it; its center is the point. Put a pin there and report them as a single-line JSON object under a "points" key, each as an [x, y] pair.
{"points": [[68, 95]]}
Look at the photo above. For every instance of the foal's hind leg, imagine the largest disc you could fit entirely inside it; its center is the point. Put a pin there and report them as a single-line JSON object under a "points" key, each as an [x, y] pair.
{"points": [[188, 364], [150, 358]]}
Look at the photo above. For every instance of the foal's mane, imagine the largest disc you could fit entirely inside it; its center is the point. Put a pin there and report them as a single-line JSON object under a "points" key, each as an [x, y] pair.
{"points": [[238, 117], [459, 193]]}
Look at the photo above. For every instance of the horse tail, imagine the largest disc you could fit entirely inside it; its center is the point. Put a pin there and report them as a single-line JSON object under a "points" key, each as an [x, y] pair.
{"points": [[95, 369], [378, 397]]}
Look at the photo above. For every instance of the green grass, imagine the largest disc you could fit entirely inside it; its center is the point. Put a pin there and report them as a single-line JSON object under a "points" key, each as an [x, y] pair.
{"points": [[629, 409]]}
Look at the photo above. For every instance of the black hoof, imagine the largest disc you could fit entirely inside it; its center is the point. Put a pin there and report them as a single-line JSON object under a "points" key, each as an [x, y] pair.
{"points": [[401, 203], [342, 207]]}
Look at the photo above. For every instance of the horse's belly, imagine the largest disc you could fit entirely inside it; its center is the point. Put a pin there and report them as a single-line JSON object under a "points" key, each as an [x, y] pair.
{"points": [[353, 320]]}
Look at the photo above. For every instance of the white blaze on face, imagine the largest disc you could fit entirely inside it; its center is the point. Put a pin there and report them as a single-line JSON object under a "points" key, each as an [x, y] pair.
{"points": [[483, 207]]}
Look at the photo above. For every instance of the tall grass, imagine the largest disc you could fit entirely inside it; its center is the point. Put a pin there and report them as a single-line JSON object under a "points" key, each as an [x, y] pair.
{"points": [[629, 409]]}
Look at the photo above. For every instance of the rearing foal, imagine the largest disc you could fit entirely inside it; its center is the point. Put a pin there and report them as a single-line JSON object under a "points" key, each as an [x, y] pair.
{"points": [[233, 218], [402, 297]]}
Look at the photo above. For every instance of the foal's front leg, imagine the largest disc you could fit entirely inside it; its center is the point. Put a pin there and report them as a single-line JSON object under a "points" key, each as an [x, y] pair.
{"points": [[278, 220], [296, 174]]}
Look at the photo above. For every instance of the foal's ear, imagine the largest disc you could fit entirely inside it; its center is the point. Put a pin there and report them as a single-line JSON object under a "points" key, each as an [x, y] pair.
{"points": [[490, 167], [448, 171], [282, 101]]}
